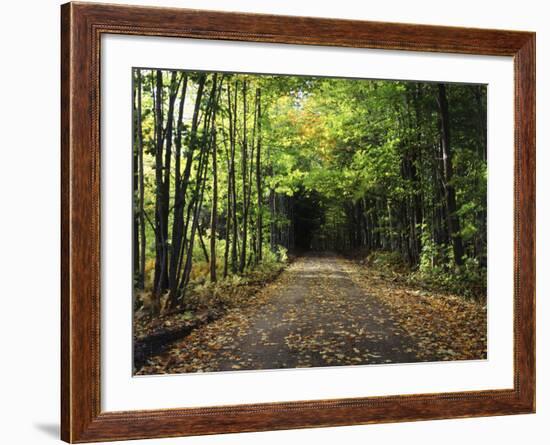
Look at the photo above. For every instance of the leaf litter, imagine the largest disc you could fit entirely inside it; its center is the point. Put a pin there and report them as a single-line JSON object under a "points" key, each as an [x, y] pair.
{"points": [[330, 311]]}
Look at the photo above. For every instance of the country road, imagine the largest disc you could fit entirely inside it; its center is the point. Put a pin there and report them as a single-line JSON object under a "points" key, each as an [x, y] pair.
{"points": [[314, 314]]}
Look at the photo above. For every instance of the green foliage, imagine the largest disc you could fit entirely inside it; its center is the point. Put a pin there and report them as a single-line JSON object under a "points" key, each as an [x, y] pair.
{"points": [[386, 261], [282, 254], [437, 269], [367, 153], [468, 280], [229, 291]]}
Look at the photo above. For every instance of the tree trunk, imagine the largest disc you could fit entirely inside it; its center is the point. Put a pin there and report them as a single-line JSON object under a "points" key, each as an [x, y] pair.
{"points": [[206, 146], [143, 240], [244, 152], [160, 241], [177, 223], [202, 243], [179, 233], [137, 147], [482, 119], [232, 111], [259, 228], [228, 204], [214, 215], [453, 222]]}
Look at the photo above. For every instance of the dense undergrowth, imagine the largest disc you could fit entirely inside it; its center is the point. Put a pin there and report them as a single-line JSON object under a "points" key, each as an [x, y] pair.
{"points": [[202, 293], [205, 300], [436, 271]]}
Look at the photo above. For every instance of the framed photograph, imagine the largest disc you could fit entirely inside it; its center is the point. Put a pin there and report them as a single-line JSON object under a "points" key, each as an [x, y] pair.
{"points": [[274, 222]]}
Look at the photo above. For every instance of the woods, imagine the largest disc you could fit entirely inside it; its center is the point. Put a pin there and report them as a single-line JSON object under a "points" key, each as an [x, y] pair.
{"points": [[232, 172]]}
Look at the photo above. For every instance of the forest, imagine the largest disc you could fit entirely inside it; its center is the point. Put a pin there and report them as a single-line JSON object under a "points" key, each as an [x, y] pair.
{"points": [[236, 177]]}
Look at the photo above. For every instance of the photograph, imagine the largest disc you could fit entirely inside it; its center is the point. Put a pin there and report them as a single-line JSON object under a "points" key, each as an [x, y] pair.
{"points": [[281, 219], [286, 221]]}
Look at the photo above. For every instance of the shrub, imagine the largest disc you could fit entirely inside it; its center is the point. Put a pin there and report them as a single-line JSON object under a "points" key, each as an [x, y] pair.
{"points": [[436, 270], [387, 261]]}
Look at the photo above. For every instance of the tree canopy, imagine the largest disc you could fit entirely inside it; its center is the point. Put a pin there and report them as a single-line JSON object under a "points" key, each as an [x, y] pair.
{"points": [[233, 170]]}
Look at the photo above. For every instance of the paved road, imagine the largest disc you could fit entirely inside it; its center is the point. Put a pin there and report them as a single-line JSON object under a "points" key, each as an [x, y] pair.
{"points": [[312, 315]]}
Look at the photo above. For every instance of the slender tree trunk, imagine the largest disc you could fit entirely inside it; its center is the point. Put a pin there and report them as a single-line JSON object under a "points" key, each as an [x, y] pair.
{"points": [[202, 243], [271, 203], [160, 241], [135, 230], [167, 170], [272, 220], [206, 146], [137, 147], [229, 207], [244, 152], [482, 119], [416, 160], [259, 229], [481, 239], [214, 215], [453, 222], [196, 206], [143, 240], [232, 111], [390, 225], [177, 223], [251, 156], [194, 225], [181, 223]]}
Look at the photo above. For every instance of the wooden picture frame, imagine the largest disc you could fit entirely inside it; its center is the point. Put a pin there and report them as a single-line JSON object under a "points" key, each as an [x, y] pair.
{"points": [[82, 25]]}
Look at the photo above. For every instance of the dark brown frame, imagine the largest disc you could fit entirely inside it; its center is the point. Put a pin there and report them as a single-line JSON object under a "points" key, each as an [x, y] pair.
{"points": [[82, 25]]}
